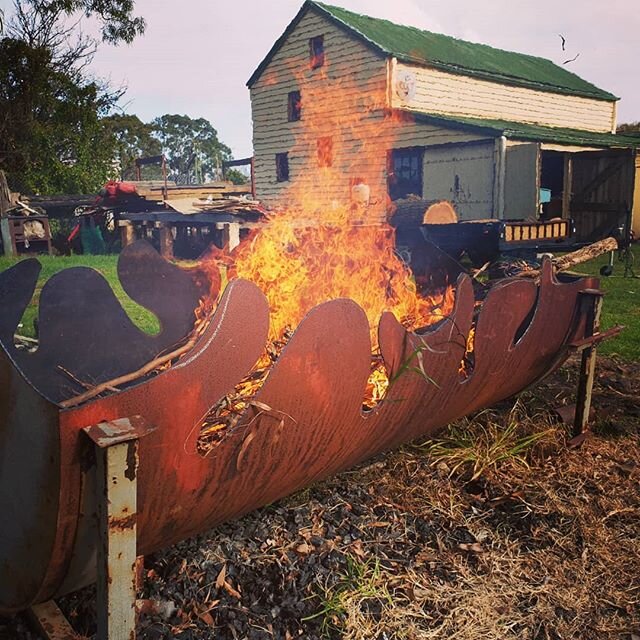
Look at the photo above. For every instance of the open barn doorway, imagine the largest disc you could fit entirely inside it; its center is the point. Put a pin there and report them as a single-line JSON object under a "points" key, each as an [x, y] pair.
{"points": [[553, 184]]}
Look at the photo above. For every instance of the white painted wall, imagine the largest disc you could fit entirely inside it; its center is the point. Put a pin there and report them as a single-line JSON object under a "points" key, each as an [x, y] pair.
{"points": [[458, 95], [346, 99]]}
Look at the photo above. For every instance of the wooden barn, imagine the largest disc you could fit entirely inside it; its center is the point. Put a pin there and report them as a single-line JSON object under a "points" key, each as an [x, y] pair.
{"points": [[343, 99]]}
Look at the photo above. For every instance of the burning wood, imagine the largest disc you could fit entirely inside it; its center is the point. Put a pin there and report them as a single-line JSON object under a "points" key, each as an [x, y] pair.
{"points": [[300, 266], [226, 413]]}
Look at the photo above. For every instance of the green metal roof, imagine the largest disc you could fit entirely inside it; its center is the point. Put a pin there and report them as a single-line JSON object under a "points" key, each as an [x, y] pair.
{"points": [[410, 44], [531, 132], [458, 56]]}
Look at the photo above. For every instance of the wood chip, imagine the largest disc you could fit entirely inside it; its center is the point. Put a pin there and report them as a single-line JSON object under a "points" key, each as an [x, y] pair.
{"points": [[221, 577]]}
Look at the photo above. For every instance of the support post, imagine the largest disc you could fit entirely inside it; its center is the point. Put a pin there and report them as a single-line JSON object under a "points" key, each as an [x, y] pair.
{"points": [[7, 239], [234, 235], [127, 233], [593, 299], [230, 236], [166, 240], [116, 447]]}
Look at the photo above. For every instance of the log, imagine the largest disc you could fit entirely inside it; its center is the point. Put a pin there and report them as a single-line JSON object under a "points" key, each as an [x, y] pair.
{"points": [[440, 213], [577, 257], [585, 254]]}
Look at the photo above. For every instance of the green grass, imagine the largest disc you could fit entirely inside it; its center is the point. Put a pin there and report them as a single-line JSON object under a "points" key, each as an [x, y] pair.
{"points": [[482, 444], [106, 265], [349, 598], [621, 305]]}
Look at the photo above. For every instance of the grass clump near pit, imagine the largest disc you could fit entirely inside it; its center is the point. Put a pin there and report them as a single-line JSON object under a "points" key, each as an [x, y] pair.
{"points": [[483, 444]]}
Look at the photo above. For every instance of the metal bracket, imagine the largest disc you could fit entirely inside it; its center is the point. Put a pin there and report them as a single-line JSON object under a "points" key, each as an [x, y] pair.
{"points": [[116, 447], [50, 622]]}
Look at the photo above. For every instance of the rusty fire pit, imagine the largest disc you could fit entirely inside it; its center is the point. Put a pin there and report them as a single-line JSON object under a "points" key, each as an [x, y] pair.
{"points": [[315, 425]]}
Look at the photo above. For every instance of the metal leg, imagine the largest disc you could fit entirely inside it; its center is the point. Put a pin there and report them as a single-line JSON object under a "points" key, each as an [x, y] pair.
{"points": [[587, 365], [116, 445]]}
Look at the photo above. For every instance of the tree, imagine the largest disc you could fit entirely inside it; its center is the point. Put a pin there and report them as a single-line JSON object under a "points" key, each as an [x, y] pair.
{"points": [[39, 20], [237, 177], [52, 136], [629, 128], [133, 139], [45, 24], [118, 23], [194, 153]]}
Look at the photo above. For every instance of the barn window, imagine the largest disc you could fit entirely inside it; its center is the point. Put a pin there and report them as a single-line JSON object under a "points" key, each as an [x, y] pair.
{"points": [[325, 152], [294, 106], [282, 167], [404, 172], [316, 51]]}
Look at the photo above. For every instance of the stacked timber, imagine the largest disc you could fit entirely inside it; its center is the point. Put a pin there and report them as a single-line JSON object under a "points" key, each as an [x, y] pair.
{"points": [[209, 191], [212, 197]]}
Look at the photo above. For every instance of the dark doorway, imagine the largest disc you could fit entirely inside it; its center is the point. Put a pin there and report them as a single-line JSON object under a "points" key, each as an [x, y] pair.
{"points": [[552, 181]]}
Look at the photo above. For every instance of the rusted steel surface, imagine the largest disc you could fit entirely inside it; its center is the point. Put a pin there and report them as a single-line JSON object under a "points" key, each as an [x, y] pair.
{"points": [[316, 425], [50, 622]]}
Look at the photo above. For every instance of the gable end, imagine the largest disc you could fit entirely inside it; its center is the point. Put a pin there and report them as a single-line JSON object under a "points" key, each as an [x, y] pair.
{"points": [[320, 10]]}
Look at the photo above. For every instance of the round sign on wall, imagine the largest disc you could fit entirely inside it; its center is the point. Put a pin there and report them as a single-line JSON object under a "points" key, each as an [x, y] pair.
{"points": [[406, 85]]}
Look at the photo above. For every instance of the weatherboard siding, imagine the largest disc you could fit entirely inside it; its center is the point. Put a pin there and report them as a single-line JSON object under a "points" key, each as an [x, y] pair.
{"points": [[459, 95], [350, 76], [346, 100]]}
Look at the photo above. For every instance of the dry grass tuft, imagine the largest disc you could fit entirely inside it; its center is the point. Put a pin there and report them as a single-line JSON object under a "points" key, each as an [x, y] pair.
{"points": [[540, 542]]}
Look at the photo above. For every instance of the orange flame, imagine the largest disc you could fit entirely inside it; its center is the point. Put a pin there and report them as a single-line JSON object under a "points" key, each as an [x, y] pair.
{"points": [[298, 267], [324, 242]]}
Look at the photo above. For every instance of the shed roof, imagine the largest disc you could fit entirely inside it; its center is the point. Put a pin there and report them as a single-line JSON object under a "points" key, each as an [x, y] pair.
{"points": [[531, 132], [410, 44]]}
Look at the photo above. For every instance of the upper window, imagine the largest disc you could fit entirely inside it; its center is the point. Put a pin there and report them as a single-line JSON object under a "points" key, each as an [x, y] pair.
{"points": [[282, 167], [294, 106], [325, 152], [405, 172], [316, 51]]}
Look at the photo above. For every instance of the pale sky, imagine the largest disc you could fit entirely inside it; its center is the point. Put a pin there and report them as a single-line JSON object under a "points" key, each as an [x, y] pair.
{"points": [[197, 55]]}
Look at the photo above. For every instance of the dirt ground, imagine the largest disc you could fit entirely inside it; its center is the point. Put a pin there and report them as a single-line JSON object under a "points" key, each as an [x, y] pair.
{"points": [[500, 529]]}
